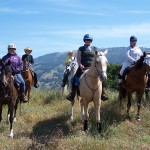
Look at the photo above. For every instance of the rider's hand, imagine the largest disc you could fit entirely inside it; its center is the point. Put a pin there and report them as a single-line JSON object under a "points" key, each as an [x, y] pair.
{"points": [[82, 67]]}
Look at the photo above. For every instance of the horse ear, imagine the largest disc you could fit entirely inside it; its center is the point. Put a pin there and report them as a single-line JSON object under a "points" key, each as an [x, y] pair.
{"points": [[9, 62], [144, 54], [96, 52], [105, 52]]}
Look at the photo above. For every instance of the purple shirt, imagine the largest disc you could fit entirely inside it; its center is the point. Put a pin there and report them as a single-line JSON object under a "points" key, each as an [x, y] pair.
{"points": [[16, 62]]}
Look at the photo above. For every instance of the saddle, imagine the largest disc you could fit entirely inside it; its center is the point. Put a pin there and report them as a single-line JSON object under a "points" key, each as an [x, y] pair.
{"points": [[126, 71]]}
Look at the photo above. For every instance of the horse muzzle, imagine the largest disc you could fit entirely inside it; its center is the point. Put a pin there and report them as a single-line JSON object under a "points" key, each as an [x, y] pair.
{"points": [[103, 76]]}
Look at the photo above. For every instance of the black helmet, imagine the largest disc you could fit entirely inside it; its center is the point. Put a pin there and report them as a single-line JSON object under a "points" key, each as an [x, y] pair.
{"points": [[133, 39]]}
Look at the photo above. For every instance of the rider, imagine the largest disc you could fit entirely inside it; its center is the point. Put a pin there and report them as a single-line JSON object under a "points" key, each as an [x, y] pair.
{"points": [[16, 66], [132, 55], [69, 59], [85, 57], [29, 58]]}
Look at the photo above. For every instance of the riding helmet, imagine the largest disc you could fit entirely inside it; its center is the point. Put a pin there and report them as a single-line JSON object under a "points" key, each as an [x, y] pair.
{"points": [[133, 39], [87, 37], [11, 45]]}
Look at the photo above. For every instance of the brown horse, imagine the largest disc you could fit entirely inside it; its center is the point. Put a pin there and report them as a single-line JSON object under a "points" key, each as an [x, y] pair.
{"points": [[8, 93], [135, 82], [91, 88], [28, 78]]}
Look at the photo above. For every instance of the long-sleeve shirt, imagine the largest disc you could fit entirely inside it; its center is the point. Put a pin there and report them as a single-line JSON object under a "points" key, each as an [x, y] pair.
{"points": [[133, 54], [16, 62], [28, 58]]}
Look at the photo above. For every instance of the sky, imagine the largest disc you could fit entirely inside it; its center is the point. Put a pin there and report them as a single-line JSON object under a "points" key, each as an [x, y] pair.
{"points": [[48, 26]]}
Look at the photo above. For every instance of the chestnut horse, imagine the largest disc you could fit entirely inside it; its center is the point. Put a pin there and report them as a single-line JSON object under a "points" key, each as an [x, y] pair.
{"points": [[135, 82], [8, 93], [91, 88], [28, 78]]}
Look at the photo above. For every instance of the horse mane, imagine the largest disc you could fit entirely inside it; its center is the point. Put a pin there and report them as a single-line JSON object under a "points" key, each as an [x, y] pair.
{"points": [[139, 63]]}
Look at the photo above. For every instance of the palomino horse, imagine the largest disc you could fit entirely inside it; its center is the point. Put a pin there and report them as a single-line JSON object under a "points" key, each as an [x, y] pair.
{"points": [[28, 78], [135, 82], [72, 68], [8, 93], [91, 87]]}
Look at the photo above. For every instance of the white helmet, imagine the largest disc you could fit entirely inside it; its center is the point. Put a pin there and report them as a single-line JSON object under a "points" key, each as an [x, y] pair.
{"points": [[11, 45]]}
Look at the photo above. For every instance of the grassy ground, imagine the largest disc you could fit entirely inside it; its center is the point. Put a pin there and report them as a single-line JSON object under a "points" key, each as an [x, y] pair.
{"points": [[44, 125]]}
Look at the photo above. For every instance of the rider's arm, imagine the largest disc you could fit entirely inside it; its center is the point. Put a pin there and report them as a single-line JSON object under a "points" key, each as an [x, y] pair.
{"points": [[129, 58], [31, 60], [79, 59]]}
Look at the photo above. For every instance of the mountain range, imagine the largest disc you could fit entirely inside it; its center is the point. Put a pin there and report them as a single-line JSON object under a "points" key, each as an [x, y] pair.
{"points": [[50, 67]]}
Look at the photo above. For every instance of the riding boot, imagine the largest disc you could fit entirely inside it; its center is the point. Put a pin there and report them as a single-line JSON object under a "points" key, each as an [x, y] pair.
{"points": [[23, 98], [71, 96], [103, 96]]}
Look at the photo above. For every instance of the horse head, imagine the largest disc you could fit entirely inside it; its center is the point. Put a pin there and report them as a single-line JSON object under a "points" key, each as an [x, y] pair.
{"points": [[5, 73], [101, 64], [25, 66]]}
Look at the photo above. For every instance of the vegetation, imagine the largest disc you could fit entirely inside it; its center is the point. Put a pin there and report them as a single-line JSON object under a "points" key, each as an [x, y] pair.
{"points": [[44, 125]]}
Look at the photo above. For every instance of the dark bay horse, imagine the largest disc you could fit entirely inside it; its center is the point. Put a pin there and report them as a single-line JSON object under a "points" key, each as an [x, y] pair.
{"points": [[28, 78], [8, 93], [135, 82]]}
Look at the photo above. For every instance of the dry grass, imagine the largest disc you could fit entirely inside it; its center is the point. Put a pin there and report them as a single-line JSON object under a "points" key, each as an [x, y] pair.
{"points": [[44, 125]]}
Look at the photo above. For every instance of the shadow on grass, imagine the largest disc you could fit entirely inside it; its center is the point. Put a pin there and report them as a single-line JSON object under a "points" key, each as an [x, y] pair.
{"points": [[47, 133]]}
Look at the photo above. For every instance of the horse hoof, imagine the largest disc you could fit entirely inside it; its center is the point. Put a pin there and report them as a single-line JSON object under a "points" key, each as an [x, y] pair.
{"points": [[138, 118], [14, 120], [71, 119]]}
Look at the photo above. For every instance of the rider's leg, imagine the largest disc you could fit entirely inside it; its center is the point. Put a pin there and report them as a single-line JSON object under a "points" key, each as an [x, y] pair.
{"points": [[35, 81], [120, 76], [22, 88]]}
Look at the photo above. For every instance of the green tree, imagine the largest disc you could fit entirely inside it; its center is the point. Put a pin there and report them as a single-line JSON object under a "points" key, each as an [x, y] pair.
{"points": [[112, 78]]}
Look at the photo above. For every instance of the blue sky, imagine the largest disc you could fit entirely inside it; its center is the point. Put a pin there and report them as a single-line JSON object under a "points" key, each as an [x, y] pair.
{"points": [[59, 25]]}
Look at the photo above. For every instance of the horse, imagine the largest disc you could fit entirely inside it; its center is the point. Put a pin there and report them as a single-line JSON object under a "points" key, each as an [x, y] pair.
{"points": [[8, 93], [135, 82], [28, 78], [72, 68], [90, 88]]}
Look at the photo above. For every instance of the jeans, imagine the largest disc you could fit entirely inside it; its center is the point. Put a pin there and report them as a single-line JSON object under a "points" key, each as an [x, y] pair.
{"points": [[21, 82]]}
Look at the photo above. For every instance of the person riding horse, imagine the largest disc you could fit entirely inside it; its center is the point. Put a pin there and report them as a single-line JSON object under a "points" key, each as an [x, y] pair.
{"points": [[71, 58], [132, 55], [29, 58], [16, 66], [85, 57]]}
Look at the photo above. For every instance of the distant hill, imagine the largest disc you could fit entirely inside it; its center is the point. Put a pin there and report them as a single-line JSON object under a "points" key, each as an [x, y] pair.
{"points": [[50, 67]]}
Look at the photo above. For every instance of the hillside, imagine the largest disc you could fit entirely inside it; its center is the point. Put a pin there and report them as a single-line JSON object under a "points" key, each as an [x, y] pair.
{"points": [[44, 125], [50, 67]]}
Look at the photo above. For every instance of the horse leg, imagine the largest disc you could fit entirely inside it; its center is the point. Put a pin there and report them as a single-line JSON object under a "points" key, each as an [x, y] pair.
{"points": [[15, 110], [139, 96], [85, 106], [11, 108], [0, 112], [129, 105], [97, 105], [72, 110], [82, 110], [8, 115]]}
